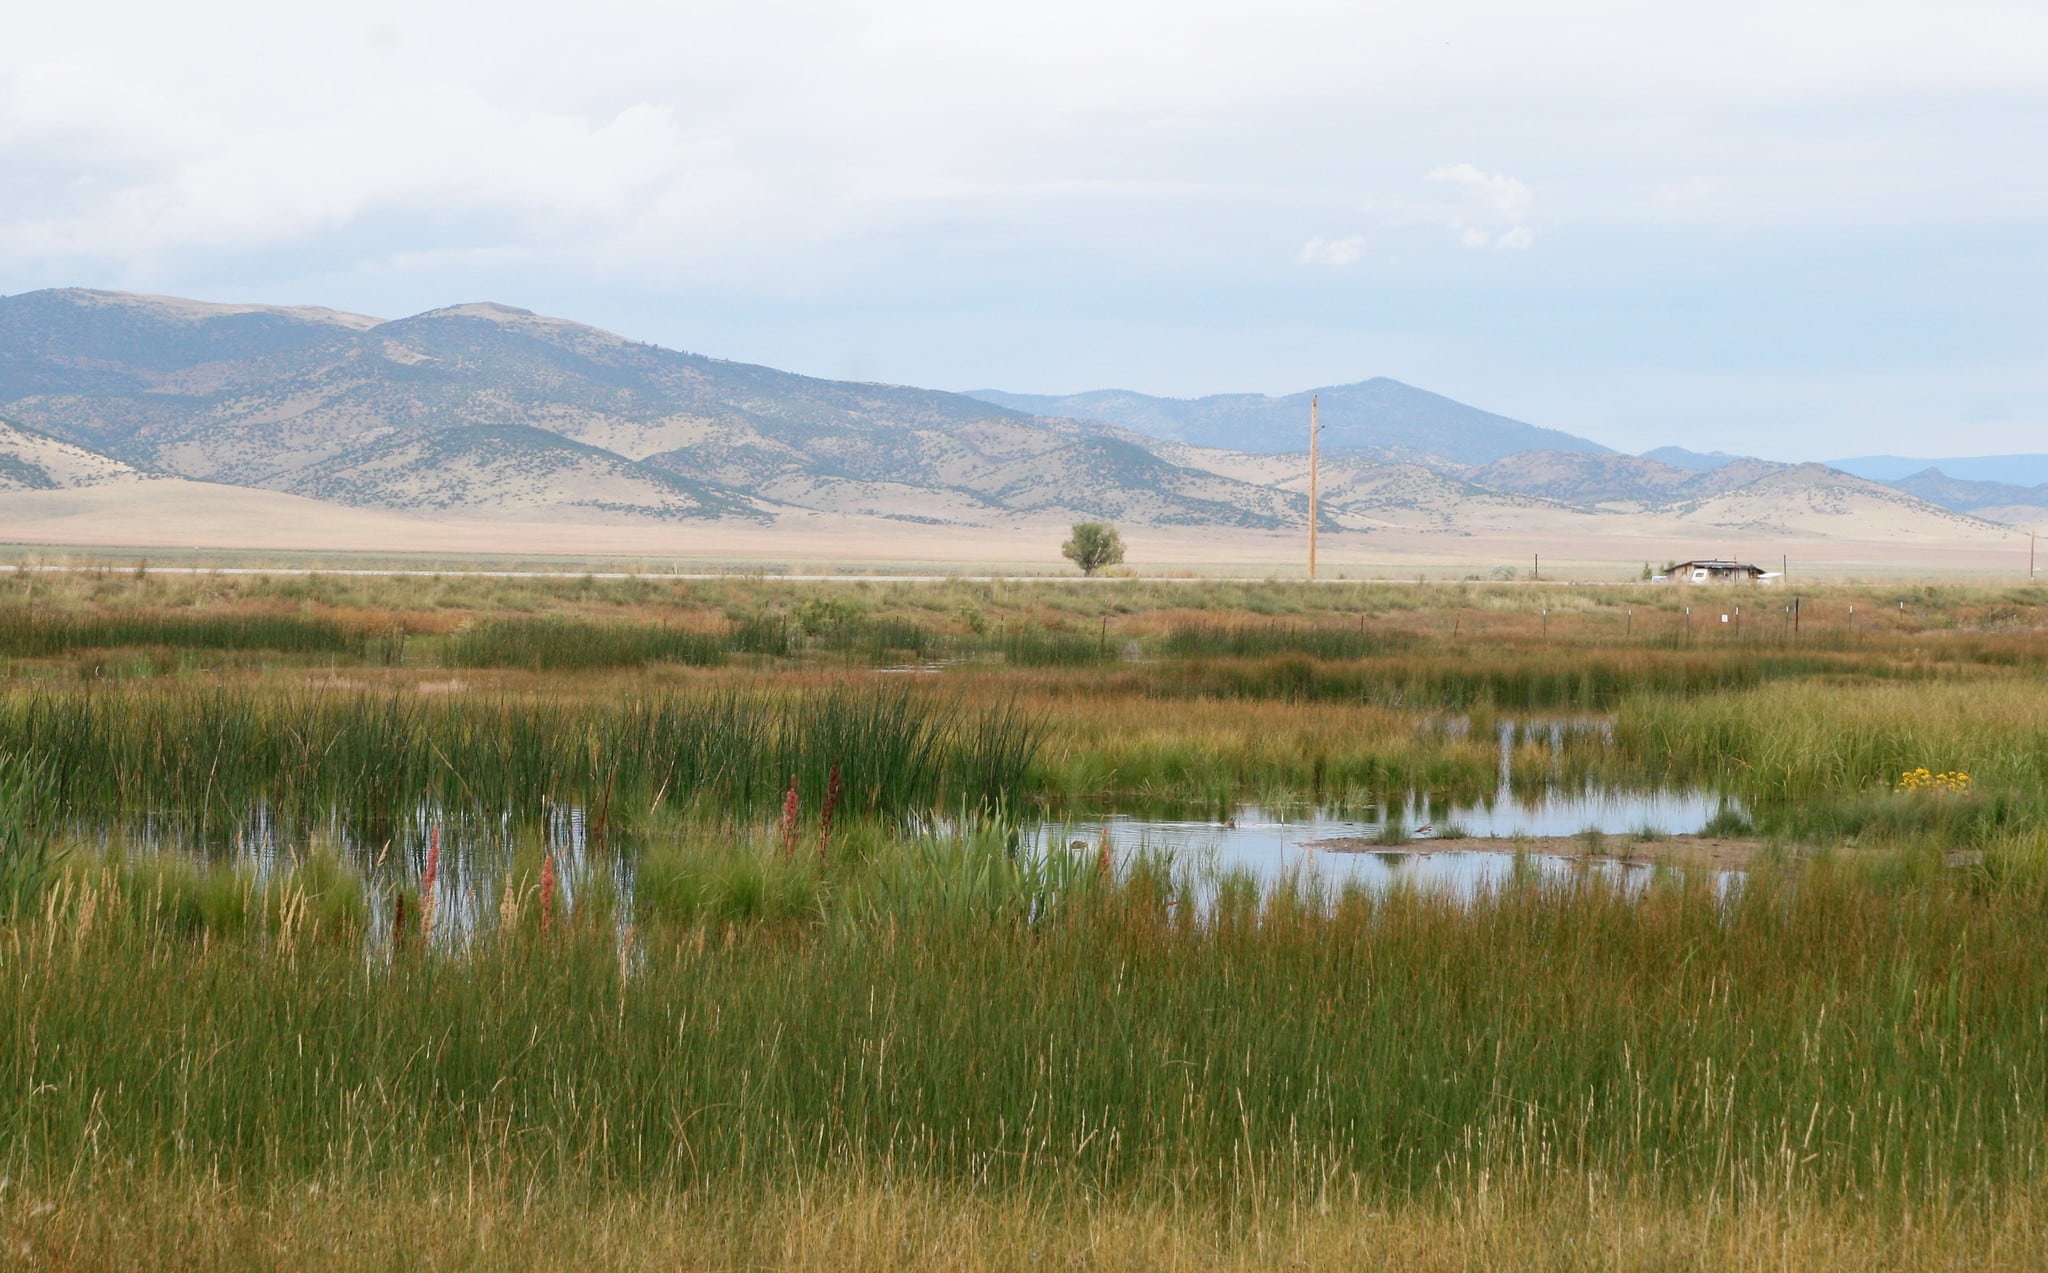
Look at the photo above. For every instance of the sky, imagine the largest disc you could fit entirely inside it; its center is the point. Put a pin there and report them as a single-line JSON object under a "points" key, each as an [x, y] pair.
{"points": [[1795, 230]]}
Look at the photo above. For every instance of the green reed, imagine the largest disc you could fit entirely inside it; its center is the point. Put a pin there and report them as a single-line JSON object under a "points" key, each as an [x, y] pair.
{"points": [[1801, 741], [26, 633], [1822, 762], [1036, 645], [1820, 1034], [211, 755], [1510, 679], [1316, 641], [554, 644]]}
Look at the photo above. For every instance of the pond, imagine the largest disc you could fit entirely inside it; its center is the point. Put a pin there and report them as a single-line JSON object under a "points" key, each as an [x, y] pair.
{"points": [[1344, 846], [1461, 846], [1404, 840]]}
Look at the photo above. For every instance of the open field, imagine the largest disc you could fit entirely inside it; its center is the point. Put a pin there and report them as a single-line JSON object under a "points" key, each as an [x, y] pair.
{"points": [[475, 922], [160, 515]]}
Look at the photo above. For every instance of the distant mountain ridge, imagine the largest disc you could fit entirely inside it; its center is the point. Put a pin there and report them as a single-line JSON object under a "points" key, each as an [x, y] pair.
{"points": [[1994, 501], [1578, 478], [1697, 461], [490, 408], [1378, 417], [490, 411], [1937, 487], [2022, 470]]}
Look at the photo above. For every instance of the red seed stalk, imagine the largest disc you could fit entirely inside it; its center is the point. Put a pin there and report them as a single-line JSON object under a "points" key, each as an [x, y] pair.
{"points": [[547, 893], [825, 814], [790, 808]]}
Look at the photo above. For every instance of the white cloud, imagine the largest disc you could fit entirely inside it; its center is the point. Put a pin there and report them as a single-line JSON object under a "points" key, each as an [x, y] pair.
{"points": [[907, 167], [1321, 251], [1493, 211]]}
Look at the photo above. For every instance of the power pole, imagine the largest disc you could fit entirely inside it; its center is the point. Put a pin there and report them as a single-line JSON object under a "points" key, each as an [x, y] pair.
{"points": [[1314, 427]]}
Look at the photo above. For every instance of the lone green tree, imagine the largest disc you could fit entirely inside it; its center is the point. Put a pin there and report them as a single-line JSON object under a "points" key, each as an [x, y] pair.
{"points": [[1093, 545]]}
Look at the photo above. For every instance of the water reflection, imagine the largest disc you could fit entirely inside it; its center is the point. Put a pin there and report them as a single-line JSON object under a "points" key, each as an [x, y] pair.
{"points": [[480, 852], [1270, 844]]}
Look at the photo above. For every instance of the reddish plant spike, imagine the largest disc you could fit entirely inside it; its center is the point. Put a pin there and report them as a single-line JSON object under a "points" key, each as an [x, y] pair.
{"points": [[398, 921], [790, 808]]}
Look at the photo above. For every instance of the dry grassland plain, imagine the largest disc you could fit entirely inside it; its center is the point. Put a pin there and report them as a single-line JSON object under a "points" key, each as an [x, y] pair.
{"points": [[156, 515], [482, 922]]}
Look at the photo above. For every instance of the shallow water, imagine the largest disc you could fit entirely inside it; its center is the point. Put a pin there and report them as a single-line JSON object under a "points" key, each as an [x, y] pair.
{"points": [[1270, 844], [1273, 843], [476, 855], [478, 850]]}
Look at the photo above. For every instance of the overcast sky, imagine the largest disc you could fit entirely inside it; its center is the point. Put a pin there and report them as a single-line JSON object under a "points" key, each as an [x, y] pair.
{"points": [[1794, 230]]}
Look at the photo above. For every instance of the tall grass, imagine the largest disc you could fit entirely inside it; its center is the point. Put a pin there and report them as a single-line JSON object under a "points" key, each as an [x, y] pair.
{"points": [[1507, 678], [570, 644], [212, 755], [1823, 1037], [1822, 740], [1035, 645], [552, 645], [881, 640], [562, 644], [1318, 641], [26, 633], [26, 853], [1820, 763]]}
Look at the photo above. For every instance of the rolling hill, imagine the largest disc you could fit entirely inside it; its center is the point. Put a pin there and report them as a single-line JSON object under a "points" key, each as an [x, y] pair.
{"points": [[1993, 501], [494, 409], [31, 461], [492, 413]]}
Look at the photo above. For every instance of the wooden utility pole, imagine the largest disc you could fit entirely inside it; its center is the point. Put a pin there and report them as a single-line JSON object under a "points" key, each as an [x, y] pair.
{"points": [[1314, 427]]}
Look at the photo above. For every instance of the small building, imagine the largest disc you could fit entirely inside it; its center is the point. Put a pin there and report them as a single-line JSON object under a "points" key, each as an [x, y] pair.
{"points": [[1718, 571]]}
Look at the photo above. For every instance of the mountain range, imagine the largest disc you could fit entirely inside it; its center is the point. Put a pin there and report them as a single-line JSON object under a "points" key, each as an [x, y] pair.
{"points": [[2023, 470], [1381, 418], [488, 411]]}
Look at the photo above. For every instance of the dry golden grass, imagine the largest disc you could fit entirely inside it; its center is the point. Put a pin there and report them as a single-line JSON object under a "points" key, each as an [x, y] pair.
{"points": [[837, 1226], [159, 514]]}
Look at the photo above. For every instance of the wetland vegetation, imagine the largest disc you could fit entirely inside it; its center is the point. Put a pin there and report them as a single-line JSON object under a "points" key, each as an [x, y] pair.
{"points": [[471, 922]]}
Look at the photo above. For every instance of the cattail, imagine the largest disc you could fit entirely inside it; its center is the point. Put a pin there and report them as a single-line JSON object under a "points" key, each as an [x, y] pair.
{"points": [[825, 814], [398, 922], [427, 881], [790, 806], [547, 893]]}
